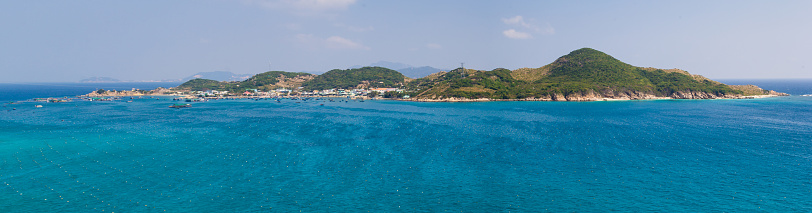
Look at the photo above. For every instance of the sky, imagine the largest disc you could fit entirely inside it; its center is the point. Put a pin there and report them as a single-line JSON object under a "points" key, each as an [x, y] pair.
{"points": [[66, 41]]}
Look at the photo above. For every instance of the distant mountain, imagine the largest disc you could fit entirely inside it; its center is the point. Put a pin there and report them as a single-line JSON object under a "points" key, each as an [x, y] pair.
{"points": [[390, 65], [407, 70], [419, 72], [99, 80], [385, 64], [218, 76]]}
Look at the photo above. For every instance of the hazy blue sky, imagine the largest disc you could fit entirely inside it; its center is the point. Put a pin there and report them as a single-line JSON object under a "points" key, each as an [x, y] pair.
{"points": [[46, 41]]}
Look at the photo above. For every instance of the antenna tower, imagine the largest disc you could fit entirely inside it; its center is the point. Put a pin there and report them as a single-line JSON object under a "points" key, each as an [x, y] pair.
{"points": [[462, 65]]}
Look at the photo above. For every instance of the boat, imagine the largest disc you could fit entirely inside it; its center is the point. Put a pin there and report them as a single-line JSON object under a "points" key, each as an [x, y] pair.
{"points": [[38, 106], [54, 100], [178, 106]]}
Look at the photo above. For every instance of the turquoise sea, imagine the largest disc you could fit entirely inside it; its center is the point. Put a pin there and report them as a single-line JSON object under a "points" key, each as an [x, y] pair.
{"points": [[392, 156], [23, 91]]}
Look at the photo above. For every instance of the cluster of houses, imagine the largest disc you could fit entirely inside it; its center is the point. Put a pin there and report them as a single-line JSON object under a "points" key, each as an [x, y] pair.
{"points": [[52, 100], [350, 92], [283, 92]]}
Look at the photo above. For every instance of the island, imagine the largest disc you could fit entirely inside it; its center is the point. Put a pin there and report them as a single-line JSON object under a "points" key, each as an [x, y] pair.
{"points": [[582, 75]]}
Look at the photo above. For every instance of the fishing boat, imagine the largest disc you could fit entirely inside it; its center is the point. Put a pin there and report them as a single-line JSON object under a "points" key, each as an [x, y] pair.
{"points": [[178, 106]]}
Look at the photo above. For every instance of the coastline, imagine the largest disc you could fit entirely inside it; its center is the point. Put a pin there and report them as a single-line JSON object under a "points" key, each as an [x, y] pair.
{"points": [[459, 100], [584, 100], [591, 97], [438, 100]]}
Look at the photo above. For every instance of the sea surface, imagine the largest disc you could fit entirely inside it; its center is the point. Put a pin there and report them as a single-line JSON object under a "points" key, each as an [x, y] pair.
{"points": [[393, 156], [789, 86], [23, 91]]}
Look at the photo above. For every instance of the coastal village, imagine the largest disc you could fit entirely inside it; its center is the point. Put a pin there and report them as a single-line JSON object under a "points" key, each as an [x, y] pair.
{"points": [[247, 94]]}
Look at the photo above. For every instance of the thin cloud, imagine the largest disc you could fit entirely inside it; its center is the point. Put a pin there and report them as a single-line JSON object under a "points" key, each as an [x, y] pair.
{"points": [[292, 26], [519, 21], [549, 30], [513, 34], [336, 42], [310, 41], [434, 46], [305, 38], [333, 42], [514, 20]]}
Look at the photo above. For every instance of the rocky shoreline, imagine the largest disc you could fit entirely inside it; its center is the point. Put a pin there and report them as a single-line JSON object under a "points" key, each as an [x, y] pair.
{"points": [[626, 96], [586, 100]]}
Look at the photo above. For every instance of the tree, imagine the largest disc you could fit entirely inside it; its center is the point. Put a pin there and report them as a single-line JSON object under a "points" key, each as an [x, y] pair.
{"points": [[392, 94]]}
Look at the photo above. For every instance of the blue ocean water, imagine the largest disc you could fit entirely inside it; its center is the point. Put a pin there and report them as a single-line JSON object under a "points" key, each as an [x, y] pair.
{"points": [[391, 156], [789, 86], [24, 91]]}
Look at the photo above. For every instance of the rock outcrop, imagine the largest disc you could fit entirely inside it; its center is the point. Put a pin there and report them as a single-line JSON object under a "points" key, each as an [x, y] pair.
{"points": [[692, 95]]}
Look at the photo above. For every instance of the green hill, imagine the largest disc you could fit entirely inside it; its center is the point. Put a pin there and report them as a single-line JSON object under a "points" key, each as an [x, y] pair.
{"points": [[351, 78], [340, 79], [263, 81], [583, 73], [275, 79], [589, 69], [199, 84]]}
